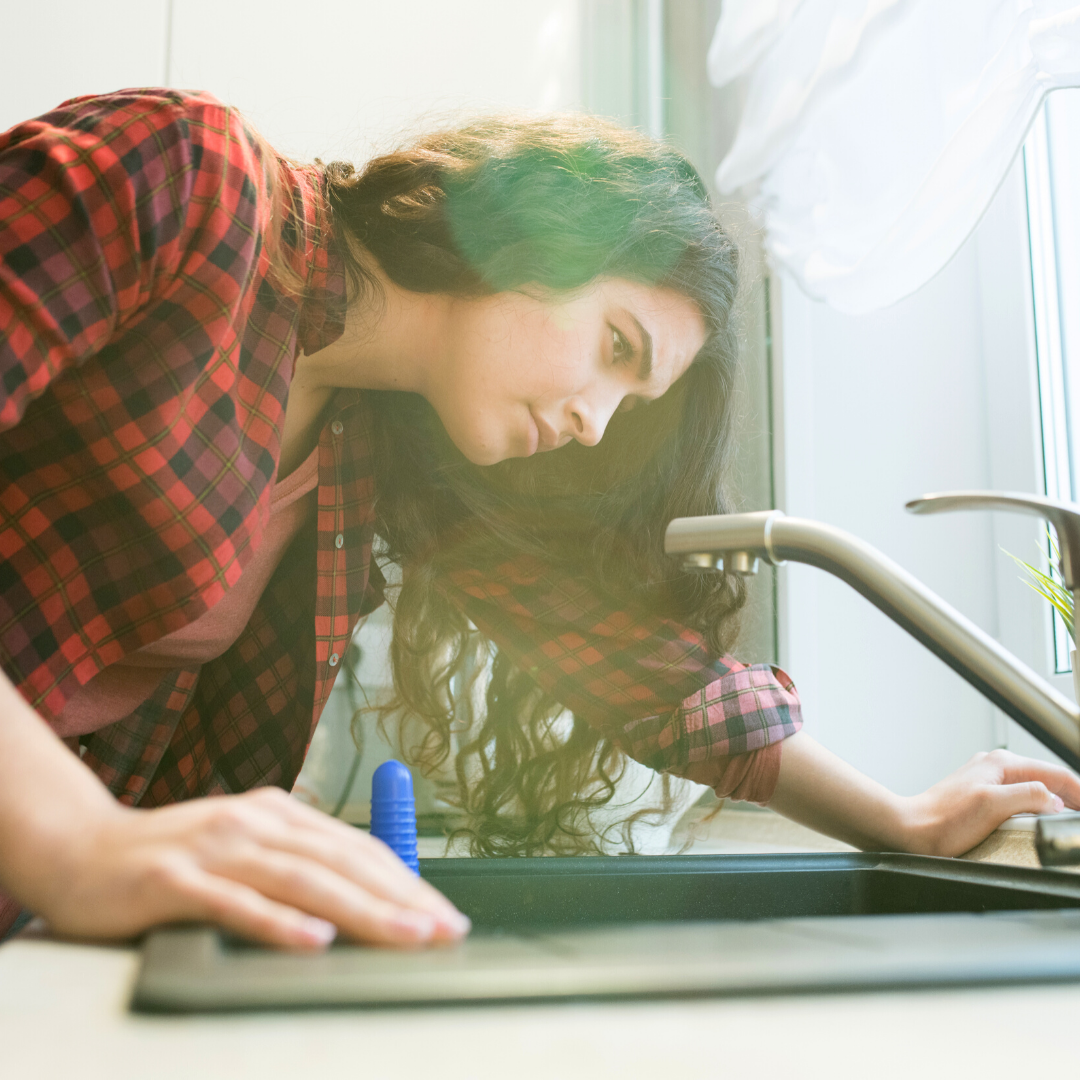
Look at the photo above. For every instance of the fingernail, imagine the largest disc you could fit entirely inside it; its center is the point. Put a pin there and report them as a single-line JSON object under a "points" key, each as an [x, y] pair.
{"points": [[1059, 804], [458, 925], [415, 924], [319, 930]]}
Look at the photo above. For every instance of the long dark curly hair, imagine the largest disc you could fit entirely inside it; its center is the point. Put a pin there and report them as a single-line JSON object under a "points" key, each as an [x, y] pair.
{"points": [[506, 203]]}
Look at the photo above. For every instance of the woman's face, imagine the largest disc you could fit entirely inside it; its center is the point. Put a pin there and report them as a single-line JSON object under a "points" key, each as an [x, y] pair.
{"points": [[519, 374]]}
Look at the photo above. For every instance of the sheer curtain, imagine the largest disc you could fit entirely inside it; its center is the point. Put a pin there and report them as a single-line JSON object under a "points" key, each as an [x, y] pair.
{"points": [[874, 133]]}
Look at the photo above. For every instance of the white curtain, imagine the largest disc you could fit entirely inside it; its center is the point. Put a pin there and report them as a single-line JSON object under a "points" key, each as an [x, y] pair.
{"points": [[875, 132]]}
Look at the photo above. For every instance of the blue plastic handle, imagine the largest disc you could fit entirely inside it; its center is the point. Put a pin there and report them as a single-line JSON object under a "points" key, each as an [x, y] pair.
{"points": [[393, 811]]}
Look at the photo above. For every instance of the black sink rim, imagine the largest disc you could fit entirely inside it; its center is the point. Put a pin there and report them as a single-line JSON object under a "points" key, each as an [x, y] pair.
{"points": [[1046, 881], [858, 933]]}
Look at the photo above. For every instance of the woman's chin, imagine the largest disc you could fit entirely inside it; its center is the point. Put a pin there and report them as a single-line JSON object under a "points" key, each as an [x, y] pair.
{"points": [[486, 455], [481, 453]]}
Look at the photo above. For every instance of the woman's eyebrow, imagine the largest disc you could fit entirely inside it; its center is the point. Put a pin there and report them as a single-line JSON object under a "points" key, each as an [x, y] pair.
{"points": [[645, 368]]}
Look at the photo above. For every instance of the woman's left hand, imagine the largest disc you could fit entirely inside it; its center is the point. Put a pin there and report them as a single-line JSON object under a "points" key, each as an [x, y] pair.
{"points": [[960, 811]]}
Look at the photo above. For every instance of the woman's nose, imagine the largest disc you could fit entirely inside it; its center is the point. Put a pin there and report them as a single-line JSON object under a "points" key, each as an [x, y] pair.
{"points": [[588, 420]]}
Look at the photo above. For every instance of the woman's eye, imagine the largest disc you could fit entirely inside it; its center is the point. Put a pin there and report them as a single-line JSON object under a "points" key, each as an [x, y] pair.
{"points": [[621, 349]]}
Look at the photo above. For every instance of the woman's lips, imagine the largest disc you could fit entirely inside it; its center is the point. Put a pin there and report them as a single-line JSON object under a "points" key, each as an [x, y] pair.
{"points": [[547, 438], [532, 436]]}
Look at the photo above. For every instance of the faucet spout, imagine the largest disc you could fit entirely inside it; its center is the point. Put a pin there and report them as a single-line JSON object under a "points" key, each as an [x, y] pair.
{"points": [[1010, 684]]}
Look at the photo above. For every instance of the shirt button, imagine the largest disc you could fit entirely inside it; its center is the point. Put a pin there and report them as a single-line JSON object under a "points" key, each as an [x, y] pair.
{"points": [[337, 427], [334, 658], [339, 540]]}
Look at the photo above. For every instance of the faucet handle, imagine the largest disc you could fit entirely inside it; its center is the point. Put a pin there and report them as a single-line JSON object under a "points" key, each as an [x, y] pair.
{"points": [[1064, 516]]}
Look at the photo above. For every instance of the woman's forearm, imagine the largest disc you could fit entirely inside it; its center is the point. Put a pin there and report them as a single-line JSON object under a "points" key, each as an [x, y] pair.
{"points": [[818, 789], [46, 797]]}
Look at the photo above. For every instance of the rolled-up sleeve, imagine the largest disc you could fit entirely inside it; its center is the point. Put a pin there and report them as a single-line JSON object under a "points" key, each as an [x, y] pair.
{"points": [[727, 735], [647, 682]]}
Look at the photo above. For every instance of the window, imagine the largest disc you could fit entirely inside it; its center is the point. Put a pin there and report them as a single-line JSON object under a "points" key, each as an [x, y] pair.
{"points": [[1052, 175]]}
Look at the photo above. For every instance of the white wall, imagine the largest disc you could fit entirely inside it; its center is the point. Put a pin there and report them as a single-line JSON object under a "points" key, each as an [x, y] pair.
{"points": [[59, 49], [340, 78], [934, 393], [323, 78]]}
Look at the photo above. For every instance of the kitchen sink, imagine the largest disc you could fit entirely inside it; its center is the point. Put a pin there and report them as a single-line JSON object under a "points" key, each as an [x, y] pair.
{"points": [[535, 894], [645, 926]]}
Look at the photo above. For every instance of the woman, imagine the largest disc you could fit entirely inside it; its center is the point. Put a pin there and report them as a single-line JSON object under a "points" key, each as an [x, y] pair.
{"points": [[223, 374]]}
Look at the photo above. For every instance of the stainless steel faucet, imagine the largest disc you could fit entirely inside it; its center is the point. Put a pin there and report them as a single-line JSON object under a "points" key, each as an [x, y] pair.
{"points": [[1065, 517], [738, 541]]}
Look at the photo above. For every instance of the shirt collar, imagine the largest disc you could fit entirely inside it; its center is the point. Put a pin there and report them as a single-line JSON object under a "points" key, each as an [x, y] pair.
{"points": [[322, 312]]}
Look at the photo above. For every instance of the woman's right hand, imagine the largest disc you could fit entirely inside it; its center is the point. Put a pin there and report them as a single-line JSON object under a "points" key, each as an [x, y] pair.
{"points": [[262, 865]]}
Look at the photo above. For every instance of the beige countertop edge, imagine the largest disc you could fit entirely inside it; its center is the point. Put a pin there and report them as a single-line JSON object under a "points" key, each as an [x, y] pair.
{"points": [[63, 1013]]}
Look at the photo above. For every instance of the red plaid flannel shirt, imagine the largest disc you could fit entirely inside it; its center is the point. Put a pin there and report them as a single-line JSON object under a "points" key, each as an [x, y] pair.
{"points": [[145, 361]]}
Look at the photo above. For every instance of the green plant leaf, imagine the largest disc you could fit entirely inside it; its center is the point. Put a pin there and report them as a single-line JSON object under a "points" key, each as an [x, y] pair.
{"points": [[1048, 587]]}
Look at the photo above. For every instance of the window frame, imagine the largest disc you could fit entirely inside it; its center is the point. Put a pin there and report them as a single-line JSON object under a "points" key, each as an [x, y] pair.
{"points": [[1018, 311]]}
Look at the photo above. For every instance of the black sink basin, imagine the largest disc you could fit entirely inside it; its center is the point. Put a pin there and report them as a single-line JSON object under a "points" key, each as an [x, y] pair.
{"points": [[644, 926], [535, 894]]}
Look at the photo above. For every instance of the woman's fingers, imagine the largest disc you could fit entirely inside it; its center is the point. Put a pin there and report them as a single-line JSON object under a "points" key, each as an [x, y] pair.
{"points": [[309, 886], [290, 826], [307, 817], [391, 880], [1029, 797], [250, 914], [1061, 781]]}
